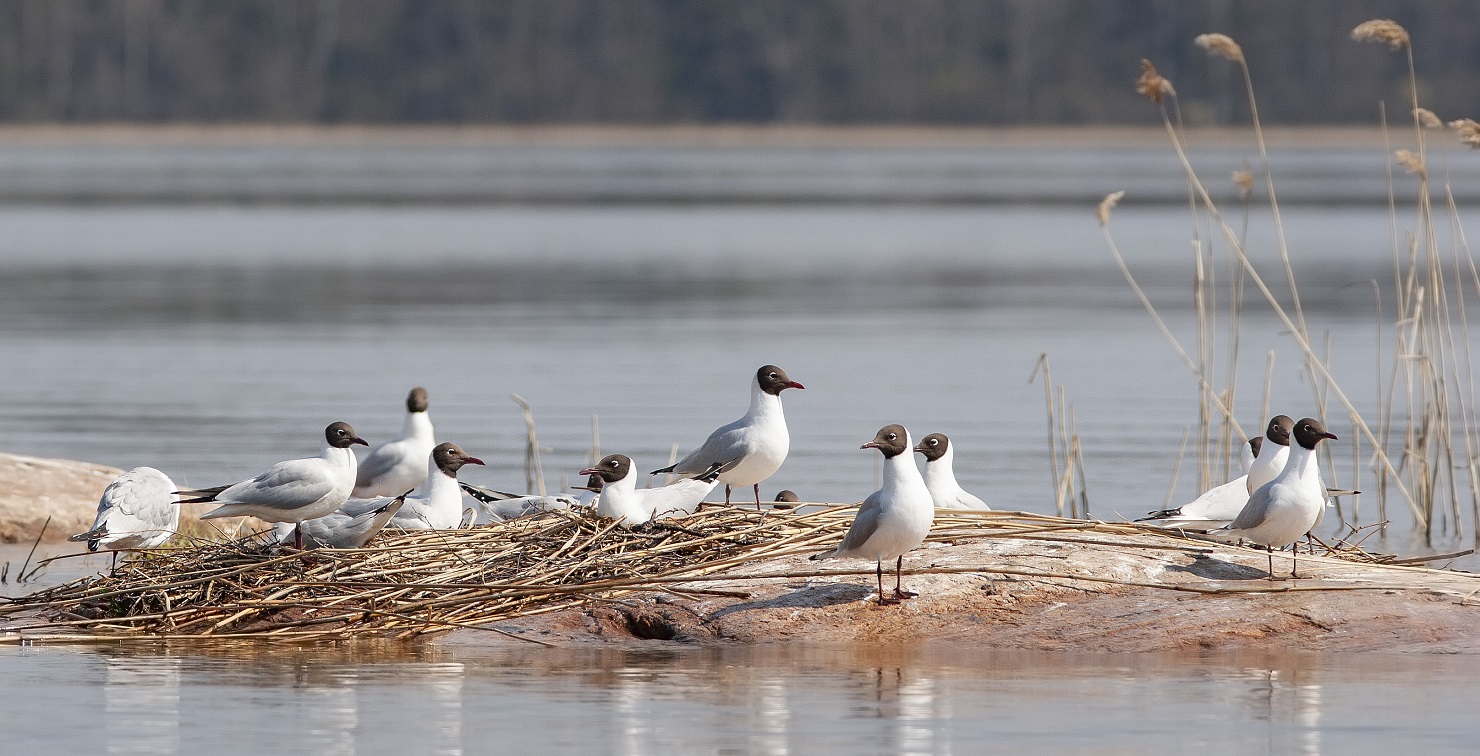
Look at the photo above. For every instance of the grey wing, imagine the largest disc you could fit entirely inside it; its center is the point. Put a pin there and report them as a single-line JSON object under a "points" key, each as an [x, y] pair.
{"points": [[864, 525], [376, 464], [725, 445], [287, 486], [1253, 513]]}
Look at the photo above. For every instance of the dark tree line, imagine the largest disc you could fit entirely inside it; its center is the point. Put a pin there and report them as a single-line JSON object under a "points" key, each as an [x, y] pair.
{"points": [[696, 61]]}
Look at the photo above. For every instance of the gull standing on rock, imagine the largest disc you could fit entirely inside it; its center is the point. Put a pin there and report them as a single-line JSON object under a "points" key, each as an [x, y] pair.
{"points": [[894, 519], [1286, 508], [1271, 458], [622, 499], [399, 465], [291, 491], [940, 479], [752, 448], [138, 510]]}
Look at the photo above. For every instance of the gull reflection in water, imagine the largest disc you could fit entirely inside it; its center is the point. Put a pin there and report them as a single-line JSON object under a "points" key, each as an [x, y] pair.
{"points": [[1290, 709], [141, 706], [770, 716], [436, 699], [330, 714]]}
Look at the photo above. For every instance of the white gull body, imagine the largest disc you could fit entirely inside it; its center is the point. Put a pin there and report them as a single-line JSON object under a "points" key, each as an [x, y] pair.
{"points": [[621, 498], [399, 465], [752, 448], [340, 529], [940, 478], [1286, 508], [291, 491], [894, 519], [138, 510], [436, 504]]}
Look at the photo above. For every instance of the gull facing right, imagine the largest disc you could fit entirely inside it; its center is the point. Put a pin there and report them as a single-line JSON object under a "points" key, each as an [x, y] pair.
{"points": [[752, 448], [1286, 508]]}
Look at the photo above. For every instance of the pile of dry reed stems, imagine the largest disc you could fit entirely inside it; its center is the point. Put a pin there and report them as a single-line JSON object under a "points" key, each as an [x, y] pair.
{"points": [[415, 583]]}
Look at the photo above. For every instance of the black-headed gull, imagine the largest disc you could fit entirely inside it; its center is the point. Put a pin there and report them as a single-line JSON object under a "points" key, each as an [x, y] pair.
{"points": [[894, 519], [400, 464], [1286, 508], [291, 491], [752, 448], [1272, 456], [940, 479], [342, 530], [623, 500], [138, 510], [437, 503]]}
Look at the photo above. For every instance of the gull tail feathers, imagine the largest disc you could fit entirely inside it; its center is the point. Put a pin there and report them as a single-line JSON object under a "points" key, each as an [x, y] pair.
{"points": [[485, 495]]}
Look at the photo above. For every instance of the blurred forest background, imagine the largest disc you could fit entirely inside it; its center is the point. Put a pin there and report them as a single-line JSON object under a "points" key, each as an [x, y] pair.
{"points": [[948, 62]]}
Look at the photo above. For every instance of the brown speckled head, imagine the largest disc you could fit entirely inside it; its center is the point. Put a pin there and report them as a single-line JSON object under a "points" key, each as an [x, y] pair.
{"points": [[341, 436], [416, 401], [450, 458], [933, 446], [1279, 429], [1255, 444], [1309, 432], [611, 468], [773, 380], [893, 440]]}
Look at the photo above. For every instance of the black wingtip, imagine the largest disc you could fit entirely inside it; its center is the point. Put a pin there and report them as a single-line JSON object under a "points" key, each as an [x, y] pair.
{"points": [[665, 471], [710, 475], [1160, 515], [201, 495]]}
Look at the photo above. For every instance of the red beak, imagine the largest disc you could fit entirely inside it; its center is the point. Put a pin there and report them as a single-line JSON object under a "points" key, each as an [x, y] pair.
{"points": [[473, 460], [869, 445], [360, 441], [590, 471], [794, 384], [1331, 436]]}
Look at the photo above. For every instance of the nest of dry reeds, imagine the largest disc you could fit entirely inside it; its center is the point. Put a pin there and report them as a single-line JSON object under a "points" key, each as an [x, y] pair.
{"points": [[415, 583]]}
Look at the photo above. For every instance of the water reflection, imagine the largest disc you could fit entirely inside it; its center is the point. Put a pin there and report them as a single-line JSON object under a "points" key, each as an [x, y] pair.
{"points": [[786, 700], [141, 704]]}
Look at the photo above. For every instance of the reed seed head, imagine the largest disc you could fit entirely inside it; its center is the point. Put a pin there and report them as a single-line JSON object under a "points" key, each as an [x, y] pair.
{"points": [[1427, 119], [1245, 181], [1152, 85], [1469, 132], [1382, 30], [1106, 205], [1221, 44], [1410, 162]]}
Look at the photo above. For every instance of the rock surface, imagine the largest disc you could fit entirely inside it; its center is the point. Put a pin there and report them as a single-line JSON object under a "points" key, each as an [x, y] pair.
{"points": [[1139, 598], [33, 488]]}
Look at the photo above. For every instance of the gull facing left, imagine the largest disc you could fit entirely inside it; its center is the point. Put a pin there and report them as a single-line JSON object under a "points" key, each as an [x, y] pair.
{"points": [[138, 510], [894, 519]]}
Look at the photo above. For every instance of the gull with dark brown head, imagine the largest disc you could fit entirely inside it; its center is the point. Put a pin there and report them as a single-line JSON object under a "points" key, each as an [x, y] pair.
{"points": [[894, 519], [941, 479], [1272, 455], [750, 449], [622, 499], [291, 491], [400, 464], [1286, 508]]}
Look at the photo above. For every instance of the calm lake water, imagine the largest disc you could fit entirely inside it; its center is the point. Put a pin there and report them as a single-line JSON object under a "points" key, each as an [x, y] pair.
{"points": [[211, 340]]}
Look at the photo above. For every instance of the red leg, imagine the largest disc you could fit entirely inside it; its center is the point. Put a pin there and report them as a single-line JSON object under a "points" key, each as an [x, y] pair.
{"points": [[757, 496], [879, 572], [727, 494], [899, 592], [298, 536]]}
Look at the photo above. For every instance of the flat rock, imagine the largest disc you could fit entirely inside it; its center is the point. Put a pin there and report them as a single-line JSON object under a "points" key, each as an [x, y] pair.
{"points": [[1021, 593], [33, 489]]}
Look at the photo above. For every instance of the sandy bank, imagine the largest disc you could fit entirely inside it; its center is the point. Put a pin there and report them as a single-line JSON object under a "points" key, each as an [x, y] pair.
{"points": [[1165, 597], [33, 489]]}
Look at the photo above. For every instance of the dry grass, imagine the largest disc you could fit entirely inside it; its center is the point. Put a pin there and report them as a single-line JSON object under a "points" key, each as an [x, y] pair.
{"points": [[413, 584]]}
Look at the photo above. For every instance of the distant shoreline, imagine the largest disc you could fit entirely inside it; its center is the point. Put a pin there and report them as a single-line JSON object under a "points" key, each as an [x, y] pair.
{"points": [[718, 136]]}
